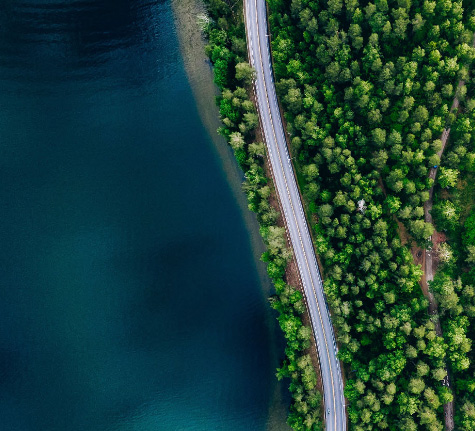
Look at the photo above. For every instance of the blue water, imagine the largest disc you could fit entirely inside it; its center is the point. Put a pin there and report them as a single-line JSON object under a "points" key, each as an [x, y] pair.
{"points": [[129, 295]]}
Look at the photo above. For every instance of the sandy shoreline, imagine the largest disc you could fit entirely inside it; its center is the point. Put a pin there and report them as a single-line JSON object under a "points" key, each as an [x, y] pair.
{"points": [[200, 76]]}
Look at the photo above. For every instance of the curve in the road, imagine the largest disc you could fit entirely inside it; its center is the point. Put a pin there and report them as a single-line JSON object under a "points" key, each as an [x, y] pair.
{"points": [[286, 185]]}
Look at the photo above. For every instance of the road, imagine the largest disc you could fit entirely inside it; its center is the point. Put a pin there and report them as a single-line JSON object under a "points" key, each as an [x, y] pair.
{"points": [[297, 228]]}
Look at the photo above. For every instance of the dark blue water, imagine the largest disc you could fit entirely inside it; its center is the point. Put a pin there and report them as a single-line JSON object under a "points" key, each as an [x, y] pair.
{"points": [[129, 295]]}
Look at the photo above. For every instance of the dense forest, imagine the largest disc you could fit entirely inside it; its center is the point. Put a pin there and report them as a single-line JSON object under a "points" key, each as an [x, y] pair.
{"points": [[367, 89], [453, 285]]}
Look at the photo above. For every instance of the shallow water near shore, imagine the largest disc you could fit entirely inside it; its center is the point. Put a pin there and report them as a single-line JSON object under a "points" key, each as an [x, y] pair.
{"points": [[200, 75], [130, 294]]}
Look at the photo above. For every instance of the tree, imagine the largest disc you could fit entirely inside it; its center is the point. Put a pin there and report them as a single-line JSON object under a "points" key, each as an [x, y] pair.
{"points": [[408, 424], [422, 369], [236, 140], [310, 172], [394, 180], [405, 212], [251, 119], [379, 159], [335, 6], [221, 72], [416, 385], [245, 73], [326, 210], [466, 417], [445, 291], [421, 114], [434, 160], [448, 177], [411, 352], [461, 92], [276, 240], [432, 398], [439, 374], [257, 149], [293, 100], [444, 252], [420, 229], [470, 254], [429, 417], [379, 137], [374, 116], [446, 214], [340, 199], [392, 203]]}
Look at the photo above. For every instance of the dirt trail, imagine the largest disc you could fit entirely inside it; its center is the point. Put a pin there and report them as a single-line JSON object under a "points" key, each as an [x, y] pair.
{"points": [[429, 264]]}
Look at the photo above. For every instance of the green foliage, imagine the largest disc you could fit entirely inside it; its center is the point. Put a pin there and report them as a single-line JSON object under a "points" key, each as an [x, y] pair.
{"points": [[447, 214], [234, 76], [448, 177], [469, 233], [367, 89], [244, 73]]}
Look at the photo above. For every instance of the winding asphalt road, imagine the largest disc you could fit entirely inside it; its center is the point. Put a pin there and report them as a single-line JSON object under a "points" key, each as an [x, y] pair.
{"points": [[297, 228]]}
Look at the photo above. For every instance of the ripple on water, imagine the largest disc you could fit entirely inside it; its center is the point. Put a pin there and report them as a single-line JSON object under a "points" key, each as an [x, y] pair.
{"points": [[130, 299]]}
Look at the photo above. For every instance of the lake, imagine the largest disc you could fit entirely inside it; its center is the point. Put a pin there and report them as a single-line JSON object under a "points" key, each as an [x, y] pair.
{"points": [[130, 294]]}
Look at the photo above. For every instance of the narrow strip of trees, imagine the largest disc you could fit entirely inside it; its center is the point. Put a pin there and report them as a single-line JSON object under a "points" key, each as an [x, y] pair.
{"points": [[454, 215], [233, 75]]}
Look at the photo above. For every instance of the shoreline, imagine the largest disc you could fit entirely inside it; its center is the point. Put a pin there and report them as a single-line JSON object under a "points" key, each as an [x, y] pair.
{"points": [[201, 79]]}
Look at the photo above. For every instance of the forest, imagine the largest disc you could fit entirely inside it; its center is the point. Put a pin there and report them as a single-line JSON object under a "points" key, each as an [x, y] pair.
{"points": [[368, 89]]}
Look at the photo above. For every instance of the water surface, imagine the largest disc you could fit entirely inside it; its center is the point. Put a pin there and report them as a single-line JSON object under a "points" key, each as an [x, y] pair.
{"points": [[129, 294]]}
